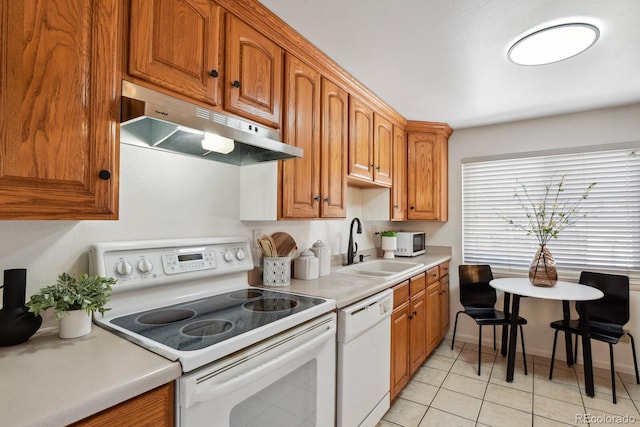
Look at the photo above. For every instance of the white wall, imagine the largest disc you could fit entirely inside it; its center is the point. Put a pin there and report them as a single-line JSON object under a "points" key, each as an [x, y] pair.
{"points": [[161, 196], [606, 126]]}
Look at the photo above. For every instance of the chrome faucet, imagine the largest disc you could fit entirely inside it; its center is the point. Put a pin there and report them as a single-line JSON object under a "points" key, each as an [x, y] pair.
{"points": [[352, 247]]}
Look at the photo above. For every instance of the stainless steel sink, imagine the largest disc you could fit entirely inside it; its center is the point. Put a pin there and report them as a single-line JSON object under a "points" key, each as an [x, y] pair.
{"points": [[380, 268]]}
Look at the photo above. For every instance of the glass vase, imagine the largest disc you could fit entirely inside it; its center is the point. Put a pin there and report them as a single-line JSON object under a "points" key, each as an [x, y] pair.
{"points": [[542, 271]]}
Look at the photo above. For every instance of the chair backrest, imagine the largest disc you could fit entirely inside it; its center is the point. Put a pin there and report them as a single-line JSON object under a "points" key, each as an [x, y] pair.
{"points": [[475, 291], [614, 306]]}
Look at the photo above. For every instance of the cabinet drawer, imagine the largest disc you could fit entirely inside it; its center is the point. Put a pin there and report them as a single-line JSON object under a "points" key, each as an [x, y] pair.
{"points": [[433, 275], [400, 294], [443, 269], [417, 284]]}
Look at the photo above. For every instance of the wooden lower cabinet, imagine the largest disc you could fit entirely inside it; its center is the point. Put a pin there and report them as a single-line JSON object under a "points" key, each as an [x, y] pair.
{"points": [[153, 408], [419, 321]]}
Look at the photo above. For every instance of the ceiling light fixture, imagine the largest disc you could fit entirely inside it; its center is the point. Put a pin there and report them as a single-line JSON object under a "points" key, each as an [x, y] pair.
{"points": [[553, 44]]}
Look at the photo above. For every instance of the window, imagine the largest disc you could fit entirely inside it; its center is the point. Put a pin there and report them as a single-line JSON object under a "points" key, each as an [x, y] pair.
{"points": [[606, 239]]}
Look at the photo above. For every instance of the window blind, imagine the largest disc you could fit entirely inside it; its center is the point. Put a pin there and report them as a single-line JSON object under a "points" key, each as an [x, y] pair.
{"points": [[606, 235]]}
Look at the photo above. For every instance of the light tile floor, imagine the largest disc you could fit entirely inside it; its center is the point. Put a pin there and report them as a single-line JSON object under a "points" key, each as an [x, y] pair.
{"points": [[447, 391]]}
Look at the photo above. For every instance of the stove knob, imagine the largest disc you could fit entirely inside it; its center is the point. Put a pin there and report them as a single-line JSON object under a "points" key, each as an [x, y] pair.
{"points": [[228, 256], [240, 255], [123, 268], [145, 266]]}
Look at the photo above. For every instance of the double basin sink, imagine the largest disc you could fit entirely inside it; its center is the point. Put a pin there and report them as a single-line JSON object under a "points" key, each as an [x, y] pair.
{"points": [[382, 268]]}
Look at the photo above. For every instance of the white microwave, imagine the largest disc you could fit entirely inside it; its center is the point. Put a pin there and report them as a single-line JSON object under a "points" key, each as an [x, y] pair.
{"points": [[410, 243]]}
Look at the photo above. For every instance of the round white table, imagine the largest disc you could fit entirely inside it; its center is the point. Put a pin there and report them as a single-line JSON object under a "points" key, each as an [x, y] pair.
{"points": [[562, 291]]}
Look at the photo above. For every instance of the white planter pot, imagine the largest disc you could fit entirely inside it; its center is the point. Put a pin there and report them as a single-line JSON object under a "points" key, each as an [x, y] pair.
{"points": [[74, 324], [389, 244]]}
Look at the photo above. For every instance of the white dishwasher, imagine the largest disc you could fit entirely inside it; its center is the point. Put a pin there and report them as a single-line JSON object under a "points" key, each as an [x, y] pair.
{"points": [[364, 359]]}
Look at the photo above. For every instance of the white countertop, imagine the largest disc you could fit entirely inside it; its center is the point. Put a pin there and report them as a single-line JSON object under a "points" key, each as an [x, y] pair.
{"points": [[346, 289], [49, 381]]}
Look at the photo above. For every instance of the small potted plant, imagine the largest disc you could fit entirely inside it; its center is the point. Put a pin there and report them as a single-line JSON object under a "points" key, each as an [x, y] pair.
{"points": [[74, 300]]}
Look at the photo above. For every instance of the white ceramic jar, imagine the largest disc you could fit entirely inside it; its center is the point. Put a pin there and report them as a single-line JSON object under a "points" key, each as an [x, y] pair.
{"points": [[306, 266], [324, 257]]}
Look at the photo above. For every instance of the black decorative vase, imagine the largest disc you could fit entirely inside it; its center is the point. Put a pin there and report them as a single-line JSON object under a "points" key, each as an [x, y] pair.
{"points": [[17, 324]]}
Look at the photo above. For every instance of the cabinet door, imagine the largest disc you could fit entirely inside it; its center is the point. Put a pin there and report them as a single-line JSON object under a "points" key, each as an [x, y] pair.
{"points": [[427, 177], [400, 337], [360, 140], [153, 408], [301, 176], [444, 305], [399, 173], [418, 316], [383, 148], [254, 68], [59, 109], [433, 301], [175, 44], [335, 122]]}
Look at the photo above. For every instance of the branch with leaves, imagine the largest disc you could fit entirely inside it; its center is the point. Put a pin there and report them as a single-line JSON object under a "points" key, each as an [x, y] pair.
{"points": [[549, 216]]}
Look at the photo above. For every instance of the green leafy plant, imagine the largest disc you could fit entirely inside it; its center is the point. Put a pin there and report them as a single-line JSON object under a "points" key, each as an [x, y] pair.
{"points": [[551, 214], [89, 293], [389, 233]]}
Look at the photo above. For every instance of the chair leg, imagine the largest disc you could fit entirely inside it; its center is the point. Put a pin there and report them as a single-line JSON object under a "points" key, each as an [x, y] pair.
{"points": [[613, 373], [455, 326], [553, 353], [575, 351], [635, 360], [494, 337], [479, 348], [524, 355]]}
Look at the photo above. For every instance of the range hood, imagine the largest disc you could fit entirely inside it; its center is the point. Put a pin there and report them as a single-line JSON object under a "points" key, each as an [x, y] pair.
{"points": [[155, 120]]}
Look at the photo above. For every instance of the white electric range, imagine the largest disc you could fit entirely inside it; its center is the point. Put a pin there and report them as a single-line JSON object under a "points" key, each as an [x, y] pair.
{"points": [[189, 300]]}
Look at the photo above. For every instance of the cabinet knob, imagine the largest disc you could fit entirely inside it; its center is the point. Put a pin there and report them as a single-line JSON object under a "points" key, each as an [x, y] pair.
{"points": [[378, 167], [317, 198], [104, 175], [235, 84], [395, 206], [412, 207], [372, 165], [213, 73], [326, 199]]}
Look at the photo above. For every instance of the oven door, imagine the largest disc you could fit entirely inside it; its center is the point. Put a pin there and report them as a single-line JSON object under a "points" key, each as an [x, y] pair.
{"points": [[287, 380]]}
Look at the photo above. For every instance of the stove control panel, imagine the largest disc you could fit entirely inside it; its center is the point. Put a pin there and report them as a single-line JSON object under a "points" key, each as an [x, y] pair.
{"points": [[193, 261], [146, 263]]}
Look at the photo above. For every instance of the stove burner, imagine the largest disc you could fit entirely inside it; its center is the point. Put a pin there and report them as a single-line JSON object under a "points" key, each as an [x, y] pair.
{"points": [[163, 317], [271, 304], [207, 328], [246, 294]]}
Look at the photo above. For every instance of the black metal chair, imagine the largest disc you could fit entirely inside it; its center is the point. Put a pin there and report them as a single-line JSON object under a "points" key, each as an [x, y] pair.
{"points": [[607, 316], [478, 299]]}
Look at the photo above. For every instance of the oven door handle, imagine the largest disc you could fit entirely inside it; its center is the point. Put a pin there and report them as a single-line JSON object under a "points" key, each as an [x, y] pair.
{"points": [[213, 390]]}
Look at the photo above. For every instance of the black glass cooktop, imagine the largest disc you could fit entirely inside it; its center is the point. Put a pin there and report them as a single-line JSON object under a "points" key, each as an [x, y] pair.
{"points": [[208, 321]]}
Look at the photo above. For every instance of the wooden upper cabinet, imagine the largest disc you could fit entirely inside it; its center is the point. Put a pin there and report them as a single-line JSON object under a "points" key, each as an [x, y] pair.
{"points": [[316, 119], [370, 146], [253, 79], [59, 109], [176, 44], [360, 140], [301, 176], [399, 173], [335, 138], [383, 150], [427, 171]]}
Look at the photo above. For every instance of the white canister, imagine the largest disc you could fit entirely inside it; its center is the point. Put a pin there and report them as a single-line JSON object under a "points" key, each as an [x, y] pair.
{"points": [[306, 266], [324, 257]]}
